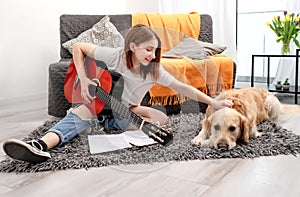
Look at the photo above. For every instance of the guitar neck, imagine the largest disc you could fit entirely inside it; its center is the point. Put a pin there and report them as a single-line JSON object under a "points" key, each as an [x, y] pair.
{"points": [[119, 108]]}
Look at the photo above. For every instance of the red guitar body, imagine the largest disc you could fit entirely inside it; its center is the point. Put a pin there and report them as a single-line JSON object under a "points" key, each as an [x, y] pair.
{"points": [[72, 87]]}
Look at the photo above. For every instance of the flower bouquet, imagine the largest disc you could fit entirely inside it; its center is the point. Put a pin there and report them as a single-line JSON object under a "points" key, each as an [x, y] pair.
{"points": [[286, 29]]}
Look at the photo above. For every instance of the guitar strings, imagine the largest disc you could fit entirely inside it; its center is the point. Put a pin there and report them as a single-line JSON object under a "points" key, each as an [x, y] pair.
{"points": [[123, 111]]}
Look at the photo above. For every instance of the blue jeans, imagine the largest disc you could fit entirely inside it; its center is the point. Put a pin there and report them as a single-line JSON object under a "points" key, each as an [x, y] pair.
{"points": [[72, 125]]}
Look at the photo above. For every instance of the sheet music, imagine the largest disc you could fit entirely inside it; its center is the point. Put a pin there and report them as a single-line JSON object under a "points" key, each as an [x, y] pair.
{"points": [[112, 142]]}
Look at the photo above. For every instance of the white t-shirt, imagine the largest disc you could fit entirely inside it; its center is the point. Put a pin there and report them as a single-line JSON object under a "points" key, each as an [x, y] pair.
{"points": [[135, 87]]}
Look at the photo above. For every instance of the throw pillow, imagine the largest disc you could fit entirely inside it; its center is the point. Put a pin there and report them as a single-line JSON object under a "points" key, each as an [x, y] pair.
{"points": [[194, 49], [103, 33]]}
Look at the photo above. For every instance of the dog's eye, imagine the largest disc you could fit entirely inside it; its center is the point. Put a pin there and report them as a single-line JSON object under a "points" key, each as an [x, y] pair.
{"points": [[217, 127], [232, 128]]}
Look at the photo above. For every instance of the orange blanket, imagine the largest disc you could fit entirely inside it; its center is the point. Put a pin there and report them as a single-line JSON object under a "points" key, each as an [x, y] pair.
{"points": [[170, 27], [210, 75]]}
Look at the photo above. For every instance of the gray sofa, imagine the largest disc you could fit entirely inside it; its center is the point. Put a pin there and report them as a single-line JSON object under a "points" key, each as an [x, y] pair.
{"points": [[71, 26]]}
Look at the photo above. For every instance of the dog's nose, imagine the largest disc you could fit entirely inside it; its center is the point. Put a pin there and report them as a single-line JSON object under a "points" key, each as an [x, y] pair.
{"points": [[222, 145]]}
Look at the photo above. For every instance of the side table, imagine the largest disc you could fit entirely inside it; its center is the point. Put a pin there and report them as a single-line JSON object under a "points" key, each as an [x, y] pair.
{"points": [[271, 87]]}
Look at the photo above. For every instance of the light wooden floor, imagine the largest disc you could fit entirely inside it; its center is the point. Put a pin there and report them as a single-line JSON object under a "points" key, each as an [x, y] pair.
{"points": [[266, 176]]}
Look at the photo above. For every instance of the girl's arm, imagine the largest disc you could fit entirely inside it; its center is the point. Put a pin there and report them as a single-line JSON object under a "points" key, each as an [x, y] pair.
{"points": [[197, 95], [80, 50]]}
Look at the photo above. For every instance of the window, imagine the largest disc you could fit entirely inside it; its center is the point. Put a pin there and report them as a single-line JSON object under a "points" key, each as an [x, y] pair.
{"points": [[254, 37]]}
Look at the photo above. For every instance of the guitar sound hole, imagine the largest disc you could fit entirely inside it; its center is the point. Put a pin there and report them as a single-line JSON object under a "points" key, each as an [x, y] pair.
{"points": [[92, 90]]}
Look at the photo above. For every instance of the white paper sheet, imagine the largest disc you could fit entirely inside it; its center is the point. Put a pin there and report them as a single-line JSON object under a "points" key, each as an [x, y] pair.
{"points": [[106, 143], [138, 138], [112, 142]]}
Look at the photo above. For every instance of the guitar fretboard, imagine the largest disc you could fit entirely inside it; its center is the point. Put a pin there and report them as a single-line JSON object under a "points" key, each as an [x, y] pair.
{"points": [[118, 107]]}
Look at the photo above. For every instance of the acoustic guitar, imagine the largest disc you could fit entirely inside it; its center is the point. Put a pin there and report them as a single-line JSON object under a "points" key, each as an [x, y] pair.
{"points": [[102, 95]]}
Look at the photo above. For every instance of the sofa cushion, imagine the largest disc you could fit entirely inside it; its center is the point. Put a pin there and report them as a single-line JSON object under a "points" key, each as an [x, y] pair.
{"points": [[71, 26], [103, 33], [194, 49]]}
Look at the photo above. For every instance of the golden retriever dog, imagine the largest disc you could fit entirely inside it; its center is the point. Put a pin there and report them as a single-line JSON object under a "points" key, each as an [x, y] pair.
{"points": [[223, 128]]}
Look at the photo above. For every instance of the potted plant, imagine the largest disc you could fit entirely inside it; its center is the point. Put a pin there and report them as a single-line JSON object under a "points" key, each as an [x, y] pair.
{"points": [[286, 84], [278, 85]]}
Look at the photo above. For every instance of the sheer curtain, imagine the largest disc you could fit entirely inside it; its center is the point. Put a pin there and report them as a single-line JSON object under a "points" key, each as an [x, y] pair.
{"points": [[286, 66], [223, 13]]}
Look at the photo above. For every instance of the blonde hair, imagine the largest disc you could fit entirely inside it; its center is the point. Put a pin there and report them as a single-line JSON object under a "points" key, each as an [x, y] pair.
{"points": [[137, 35]]}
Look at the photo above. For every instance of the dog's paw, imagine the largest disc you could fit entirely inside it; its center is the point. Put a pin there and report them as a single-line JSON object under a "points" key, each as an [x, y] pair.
{"points": [[196, 141], [255, 134], [207, 143], [258, 134]]}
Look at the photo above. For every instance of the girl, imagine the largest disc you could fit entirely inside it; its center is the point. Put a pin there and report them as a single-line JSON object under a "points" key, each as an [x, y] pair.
{"points": [[139, 64]]}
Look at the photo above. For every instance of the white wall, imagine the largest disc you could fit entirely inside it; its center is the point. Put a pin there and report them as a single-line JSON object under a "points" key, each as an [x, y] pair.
{"points": [[151, 6], [29, 39]]}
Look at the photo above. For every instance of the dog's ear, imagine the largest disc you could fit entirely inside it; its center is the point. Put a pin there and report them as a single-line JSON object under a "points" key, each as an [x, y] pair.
{"points": [[238, 105], [245, 128], [209, 111], [206, 125]]}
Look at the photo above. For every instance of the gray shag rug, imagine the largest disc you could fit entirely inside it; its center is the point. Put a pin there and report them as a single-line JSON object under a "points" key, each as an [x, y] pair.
{"points": [[75, 154]]}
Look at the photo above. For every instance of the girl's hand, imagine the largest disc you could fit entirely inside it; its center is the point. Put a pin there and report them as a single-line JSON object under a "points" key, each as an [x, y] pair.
{"points": [[85, 82], [221, 104]]}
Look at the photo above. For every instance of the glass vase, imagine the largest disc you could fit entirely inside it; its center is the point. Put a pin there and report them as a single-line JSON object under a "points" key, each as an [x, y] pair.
{"points": [[285, 49]]}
